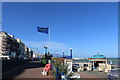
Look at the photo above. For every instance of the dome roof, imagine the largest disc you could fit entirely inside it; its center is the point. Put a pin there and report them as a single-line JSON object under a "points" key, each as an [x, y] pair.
{"points": [[98, 56]]}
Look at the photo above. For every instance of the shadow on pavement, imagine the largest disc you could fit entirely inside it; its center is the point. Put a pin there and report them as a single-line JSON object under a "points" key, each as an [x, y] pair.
{"points": [[20, 69], [34, 64]]}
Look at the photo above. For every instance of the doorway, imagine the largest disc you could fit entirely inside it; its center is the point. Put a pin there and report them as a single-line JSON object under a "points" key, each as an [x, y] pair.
{"points": [[96, 63]]}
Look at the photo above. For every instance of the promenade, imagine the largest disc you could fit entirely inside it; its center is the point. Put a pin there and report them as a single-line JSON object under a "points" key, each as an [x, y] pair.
{"points": [[32, 71], [93, 75], [29, 71]]}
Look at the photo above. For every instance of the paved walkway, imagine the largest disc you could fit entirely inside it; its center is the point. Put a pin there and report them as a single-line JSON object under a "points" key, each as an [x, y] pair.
{"points": [[31, 70], [93, 75]]}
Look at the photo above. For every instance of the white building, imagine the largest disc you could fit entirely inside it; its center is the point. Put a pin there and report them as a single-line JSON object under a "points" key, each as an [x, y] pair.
{"points": [[13, 48], [0, 45], [21, 48], [8, 45]]}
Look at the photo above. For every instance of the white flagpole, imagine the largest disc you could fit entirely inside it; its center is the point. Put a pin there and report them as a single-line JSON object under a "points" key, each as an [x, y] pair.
{"points": [[49, 40]]}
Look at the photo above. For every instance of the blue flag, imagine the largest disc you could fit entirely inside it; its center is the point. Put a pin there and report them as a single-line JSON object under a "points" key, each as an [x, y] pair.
{"points": [[43, 30]]}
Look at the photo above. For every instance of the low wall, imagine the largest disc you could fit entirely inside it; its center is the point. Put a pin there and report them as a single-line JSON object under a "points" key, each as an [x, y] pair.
{"points": [[10, 64]]}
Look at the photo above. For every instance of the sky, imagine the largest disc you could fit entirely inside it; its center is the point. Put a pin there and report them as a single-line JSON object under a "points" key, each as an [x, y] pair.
{"points": [[87, 27]]}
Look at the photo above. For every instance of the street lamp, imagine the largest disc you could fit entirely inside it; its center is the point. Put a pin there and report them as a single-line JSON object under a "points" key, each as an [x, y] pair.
{"points": [[63, 53], [71, 53], [46, 47]]}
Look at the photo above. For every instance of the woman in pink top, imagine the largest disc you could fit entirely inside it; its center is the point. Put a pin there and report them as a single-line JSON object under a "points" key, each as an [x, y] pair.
{"points": [[47, 68]]}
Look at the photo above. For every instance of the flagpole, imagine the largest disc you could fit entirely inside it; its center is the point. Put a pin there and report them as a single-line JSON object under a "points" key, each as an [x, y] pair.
{"points": [[49, 40]]}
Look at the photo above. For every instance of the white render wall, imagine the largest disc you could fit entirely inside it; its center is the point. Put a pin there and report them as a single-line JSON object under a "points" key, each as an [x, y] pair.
{"points": [[21, 48], [69, 62]]}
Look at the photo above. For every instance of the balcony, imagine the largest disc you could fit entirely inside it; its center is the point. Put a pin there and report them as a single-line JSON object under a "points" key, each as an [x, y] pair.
{"points": [[4, 43], [4, 40], [3, 46]]}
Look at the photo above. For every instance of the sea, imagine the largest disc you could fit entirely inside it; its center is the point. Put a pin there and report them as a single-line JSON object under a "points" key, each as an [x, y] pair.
{"points": [[115, 61]]}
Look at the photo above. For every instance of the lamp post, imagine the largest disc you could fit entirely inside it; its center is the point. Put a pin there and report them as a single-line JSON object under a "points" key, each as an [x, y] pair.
{"points": [[63, 53], [46, 47], [71, 53]]}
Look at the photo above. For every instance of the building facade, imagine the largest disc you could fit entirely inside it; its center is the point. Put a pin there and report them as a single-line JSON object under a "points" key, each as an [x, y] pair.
{"points": [[14, 48], [28, 53], [97, 59], [9, 45], [21, 48]]}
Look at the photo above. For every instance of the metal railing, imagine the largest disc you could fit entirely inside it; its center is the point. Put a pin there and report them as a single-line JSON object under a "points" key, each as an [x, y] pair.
{"points": [[59, 74]]}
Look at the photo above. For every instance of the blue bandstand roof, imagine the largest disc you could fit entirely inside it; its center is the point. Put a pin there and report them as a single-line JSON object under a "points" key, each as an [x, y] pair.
{"points": [[98, 56]]}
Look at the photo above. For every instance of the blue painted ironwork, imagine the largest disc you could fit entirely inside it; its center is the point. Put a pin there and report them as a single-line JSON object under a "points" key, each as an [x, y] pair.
{"points": [[57, 76]]}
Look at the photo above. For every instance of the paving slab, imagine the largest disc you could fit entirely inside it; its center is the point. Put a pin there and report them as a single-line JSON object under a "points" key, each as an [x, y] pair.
{"points": [[93, 74], [32, 70]]}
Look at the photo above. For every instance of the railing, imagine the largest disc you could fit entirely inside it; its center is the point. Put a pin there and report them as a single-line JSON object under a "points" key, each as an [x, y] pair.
{"points": [[59, 74]]}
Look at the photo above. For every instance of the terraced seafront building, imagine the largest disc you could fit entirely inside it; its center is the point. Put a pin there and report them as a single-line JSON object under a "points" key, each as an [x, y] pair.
{"points": [[13, 48], [8, 45]]}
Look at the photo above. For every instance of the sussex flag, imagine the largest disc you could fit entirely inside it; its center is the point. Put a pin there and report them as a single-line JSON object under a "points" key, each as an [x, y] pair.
{"points": [[43, 30]]}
